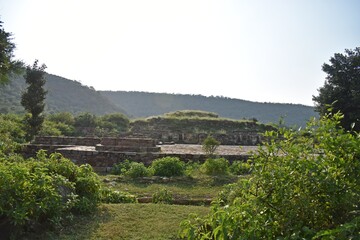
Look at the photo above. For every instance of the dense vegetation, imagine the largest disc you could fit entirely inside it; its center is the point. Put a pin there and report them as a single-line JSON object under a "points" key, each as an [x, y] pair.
{"points": [[8, 65], [45, 190], [83, 124], [304, 185], [342, 89]]}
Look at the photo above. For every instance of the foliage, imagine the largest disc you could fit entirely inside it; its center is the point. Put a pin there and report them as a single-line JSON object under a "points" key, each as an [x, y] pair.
{"points": [[50, 129], [215, 166], [12, 133], [113, 124], [112, 196], [304, 184], [342, 88], [7, 64], [168, 167], [121, 167], [45, 189], [240, 167], [131, 169], [62, 117], [210, 145], [191, 114], [162, 196], [137, 170], [85, 120], [33, 98]]}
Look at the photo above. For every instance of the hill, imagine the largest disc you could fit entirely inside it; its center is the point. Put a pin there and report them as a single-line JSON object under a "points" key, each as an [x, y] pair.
{"points": [[72, 96], [63, 95], [144, 104]]}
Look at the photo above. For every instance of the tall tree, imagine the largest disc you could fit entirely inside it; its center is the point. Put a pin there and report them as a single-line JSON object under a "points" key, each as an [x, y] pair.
{"points": [[7, 63], [341, 90], [33, 98]]}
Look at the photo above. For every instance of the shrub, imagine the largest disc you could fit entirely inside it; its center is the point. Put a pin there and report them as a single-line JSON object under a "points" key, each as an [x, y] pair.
{"points": [[45, 189], [162, 196], [210, 145], [305, 184], [137, 170], [216, 166], [110, 196], [121, 168], [191, 168], [168, 167], [240, 167]]}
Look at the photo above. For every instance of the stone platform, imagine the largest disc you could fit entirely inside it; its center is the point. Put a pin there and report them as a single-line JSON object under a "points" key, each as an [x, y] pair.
{"points": [[106, 152]]}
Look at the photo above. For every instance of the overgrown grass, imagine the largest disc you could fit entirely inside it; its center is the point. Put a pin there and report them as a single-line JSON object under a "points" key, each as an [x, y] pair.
{"points": [[126, 221]]}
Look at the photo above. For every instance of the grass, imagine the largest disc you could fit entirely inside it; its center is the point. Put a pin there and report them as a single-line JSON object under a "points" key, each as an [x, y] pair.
{"points": [[200, 187], [141, 221], [126, 221]]}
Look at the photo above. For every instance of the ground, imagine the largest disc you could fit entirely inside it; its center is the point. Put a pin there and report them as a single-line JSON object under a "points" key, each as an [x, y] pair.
{"points": [[197, 149]]}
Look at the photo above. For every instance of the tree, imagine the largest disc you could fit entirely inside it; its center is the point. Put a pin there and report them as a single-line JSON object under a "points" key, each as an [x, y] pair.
{"points": [[210, 145], [341, 91], [7, 63], [33, 98]]}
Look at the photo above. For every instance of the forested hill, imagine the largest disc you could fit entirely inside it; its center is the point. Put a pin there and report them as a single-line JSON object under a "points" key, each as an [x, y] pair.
{"points": [[63, 95], [144, 104], [72, 96]]}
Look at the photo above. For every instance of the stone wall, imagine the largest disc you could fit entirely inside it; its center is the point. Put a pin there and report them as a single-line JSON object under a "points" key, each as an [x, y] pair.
{"points": [[103, 161], [234, 138], [64, 141], [194, 131]]}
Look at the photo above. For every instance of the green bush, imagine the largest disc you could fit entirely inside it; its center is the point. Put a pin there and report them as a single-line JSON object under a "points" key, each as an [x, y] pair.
{"points": [[192, 168], [240, 167], [137, 170], [121, 168], [45, 189], [215, 166], [210, 145], [12, 133], [304, 184], [168, 167], [111, 196], [162, 196]]}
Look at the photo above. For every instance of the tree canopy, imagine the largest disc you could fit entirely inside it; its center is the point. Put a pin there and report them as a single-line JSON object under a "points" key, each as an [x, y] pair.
{"points": [[7, 63], [34, 97], [341, 90]]}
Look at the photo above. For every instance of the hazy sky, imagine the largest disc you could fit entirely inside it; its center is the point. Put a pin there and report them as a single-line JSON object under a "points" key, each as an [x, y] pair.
{"points": [[266, 51]]}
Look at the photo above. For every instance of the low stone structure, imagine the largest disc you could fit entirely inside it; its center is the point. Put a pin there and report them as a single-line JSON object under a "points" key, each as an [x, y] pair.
{"points": [[194, 131], [127, 145], [103, 153]]}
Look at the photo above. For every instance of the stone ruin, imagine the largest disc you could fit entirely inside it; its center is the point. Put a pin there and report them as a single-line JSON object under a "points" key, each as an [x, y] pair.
{"points": [[127, 145], [103, 153]]}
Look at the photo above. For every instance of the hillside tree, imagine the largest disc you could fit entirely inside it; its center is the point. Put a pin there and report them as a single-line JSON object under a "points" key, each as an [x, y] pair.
{"points": [[341, 91], [33, 98], [7, 63]]}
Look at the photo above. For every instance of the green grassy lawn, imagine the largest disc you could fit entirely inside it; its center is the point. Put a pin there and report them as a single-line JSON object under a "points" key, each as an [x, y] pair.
{"points": [[126, 221]]}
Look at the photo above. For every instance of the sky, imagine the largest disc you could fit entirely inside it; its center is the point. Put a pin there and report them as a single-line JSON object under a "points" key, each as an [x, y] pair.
{"points": [[256, 50]]}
